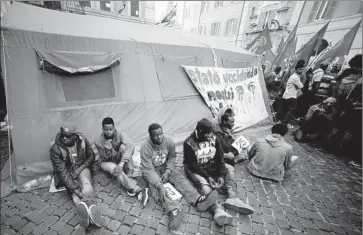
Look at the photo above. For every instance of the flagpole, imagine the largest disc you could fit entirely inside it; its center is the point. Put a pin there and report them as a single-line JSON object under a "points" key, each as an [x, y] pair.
{"points": [[240, 21]]}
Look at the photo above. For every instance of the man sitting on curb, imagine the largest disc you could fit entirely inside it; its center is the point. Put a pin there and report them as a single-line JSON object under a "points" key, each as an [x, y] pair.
{"points": [[72, 159], [115, 150], [158, 166], [224, 134], [204, 165], [272, 155]]}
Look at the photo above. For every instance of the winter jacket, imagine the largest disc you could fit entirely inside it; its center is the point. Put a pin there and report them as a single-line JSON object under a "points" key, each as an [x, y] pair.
{"points": [[155, 156], [204, 158], [62, 164], [115, 155], [226, 139], [269, 157]]}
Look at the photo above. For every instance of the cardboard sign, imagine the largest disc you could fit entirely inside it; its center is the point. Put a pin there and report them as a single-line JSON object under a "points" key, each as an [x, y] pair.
{"points": [[53, 189], [239, 89], [173, 193], [240, 144]]}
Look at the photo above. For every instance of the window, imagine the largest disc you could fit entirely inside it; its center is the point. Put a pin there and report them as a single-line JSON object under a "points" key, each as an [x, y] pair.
{"points": [[214, 31], [322, 10], [265, 19], [105, 5], [187, 12], [202, 29], [253, 11], [203, 7], [231, 26], [85, 3], [135, 8], [218, 4]]}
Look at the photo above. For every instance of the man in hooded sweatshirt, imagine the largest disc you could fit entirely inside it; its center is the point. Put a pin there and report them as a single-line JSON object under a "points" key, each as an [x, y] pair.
{"points": [[73, 159], [115, 151], [205, 167], [272, 155]]}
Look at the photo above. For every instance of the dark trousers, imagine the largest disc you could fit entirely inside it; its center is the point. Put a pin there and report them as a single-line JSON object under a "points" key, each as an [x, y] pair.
{"points": [[289, 105]]}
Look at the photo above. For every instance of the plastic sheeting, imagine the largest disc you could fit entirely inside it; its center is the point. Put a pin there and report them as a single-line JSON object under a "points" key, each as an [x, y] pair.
{"points": [[149, 83]]}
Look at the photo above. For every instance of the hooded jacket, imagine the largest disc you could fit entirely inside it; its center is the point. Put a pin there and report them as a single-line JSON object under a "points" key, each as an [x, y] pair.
{"points": [[62, 164], [269, 157], [203, 158], [218, 120]]}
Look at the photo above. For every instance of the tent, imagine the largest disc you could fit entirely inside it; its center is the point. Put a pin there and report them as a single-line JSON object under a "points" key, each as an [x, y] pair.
{"points": [[67, 67]]}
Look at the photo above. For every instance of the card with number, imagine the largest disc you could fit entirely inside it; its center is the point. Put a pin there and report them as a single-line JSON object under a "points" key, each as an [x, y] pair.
{"points": [[173, 193], [240, 143]]}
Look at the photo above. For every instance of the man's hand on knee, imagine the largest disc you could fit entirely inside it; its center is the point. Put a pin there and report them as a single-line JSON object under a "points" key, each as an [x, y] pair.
{"points": [[78, 193]]}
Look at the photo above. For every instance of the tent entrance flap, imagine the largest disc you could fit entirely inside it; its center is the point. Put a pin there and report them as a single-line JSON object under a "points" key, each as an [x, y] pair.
{"points": [[65, 62]]}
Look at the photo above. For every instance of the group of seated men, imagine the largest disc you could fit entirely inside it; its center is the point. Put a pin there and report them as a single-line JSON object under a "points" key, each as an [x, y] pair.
{"points": [[205, 175]]}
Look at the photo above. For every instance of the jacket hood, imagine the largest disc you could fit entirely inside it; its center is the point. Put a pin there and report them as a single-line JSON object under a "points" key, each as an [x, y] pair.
{"points": [[221, 113], [274, 140]]}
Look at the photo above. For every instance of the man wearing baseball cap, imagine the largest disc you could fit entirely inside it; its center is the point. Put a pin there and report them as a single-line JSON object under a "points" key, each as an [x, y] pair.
{"points": [[204, 166], [73, 158]]}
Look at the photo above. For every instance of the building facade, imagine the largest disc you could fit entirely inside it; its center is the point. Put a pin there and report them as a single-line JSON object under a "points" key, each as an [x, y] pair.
{"points": [[212, 18], [276, 15], [315, 14], [133, 11]]}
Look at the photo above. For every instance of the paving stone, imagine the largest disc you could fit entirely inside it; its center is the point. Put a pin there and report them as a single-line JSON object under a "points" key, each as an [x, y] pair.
{"points": [[58, 226], [161, 229], [296, 225], [286, 232], [113, 225], [129, 220], [28, 228], [50, 220], [66, 230], [194, 219], [50, 209], [135, 211], [312, 231], [216, 228], [258, 228], [68, 216], [205, 222], [322, 225], [230, 230], [79, 231], [40, 229], [272, 228], [60, 212], [137, 229], [124, 229], [149, 231], [152, 223], [192, 228]]}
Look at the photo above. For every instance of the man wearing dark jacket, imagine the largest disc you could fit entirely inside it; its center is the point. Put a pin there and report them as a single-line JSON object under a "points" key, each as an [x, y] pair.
{"points": [[204, 166], [73, 158], [224, 134]]}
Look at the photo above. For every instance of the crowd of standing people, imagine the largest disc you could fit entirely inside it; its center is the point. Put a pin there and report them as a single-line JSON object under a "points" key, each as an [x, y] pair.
{"points": [[325, 104]]}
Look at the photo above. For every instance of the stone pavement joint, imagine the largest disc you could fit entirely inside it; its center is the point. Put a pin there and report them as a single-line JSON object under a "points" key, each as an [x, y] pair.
{"points": [[321, 195]]}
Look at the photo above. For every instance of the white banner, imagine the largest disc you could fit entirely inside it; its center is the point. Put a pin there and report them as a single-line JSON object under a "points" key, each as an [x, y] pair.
{"points": [[239, 89]]}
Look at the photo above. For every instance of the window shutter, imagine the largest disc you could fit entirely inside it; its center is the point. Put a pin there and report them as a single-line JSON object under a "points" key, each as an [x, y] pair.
{"points": [[328, 12], [313, 11], [261, 20], [228, 27], [270, 18], [202, 7]]}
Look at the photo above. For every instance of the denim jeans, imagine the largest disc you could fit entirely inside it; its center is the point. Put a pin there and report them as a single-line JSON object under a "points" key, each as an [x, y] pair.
{"points": [[181, 183], [228, 174], [125, 181], [84, 180]]}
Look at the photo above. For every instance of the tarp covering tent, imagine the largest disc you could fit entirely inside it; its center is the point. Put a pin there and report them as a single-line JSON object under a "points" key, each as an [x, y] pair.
{"points": [[67, 67]]}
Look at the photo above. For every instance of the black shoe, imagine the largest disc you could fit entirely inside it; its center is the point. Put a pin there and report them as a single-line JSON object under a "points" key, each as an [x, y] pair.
{"points": [[175, 218], [143, 196], [207, 201]]}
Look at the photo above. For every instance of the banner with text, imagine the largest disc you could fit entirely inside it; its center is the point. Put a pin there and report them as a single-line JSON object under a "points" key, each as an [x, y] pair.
{"points": [[239, 89]]}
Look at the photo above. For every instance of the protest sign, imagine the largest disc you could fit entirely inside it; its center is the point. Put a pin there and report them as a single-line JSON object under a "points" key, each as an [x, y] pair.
{"points": [[239, 89]]}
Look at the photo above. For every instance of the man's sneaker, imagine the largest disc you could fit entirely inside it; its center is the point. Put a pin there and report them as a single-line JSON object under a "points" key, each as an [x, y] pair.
{"points": [[143, 196], [131, 192], [82, 212], [207, 201], [175, 218], [221, 217], [237, 205], [290, 126], [95, 214]]}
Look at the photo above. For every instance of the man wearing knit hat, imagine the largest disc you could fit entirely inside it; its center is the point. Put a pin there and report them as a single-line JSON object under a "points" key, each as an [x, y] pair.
{"points": [[73, 158], [293, 87], [204, 166]]}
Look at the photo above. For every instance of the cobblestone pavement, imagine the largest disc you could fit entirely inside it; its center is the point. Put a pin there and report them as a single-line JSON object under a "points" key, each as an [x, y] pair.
{"points": [[322, 195]]}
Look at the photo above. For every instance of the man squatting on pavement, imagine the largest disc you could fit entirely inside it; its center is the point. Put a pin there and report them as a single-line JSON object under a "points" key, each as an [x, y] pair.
{"points": [[115, 150], [205, 167], [73, 161], [158, 158]]}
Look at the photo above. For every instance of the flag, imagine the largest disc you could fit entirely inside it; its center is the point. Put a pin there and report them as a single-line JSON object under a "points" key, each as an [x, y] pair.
{"points": [[341, 48], [279, 47], [287, 50], [261, 43], [267, 59], [169, 18], [305, 51]]}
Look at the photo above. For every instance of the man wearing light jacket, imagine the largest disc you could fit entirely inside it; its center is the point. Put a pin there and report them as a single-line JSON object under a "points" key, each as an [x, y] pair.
{"points": [[115, 151], [73, 159]]}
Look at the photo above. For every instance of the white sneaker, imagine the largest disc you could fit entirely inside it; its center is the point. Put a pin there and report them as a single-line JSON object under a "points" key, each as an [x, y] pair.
{"points": [[290, 126], [82, 212]]}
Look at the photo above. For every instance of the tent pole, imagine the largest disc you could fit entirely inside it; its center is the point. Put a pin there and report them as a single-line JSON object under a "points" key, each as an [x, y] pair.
{"points": [[240, 21]]}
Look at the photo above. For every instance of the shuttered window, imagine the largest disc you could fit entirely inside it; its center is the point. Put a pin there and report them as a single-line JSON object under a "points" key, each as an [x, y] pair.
{"points": [[322, 10], [231, 26], [214, 31]]}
